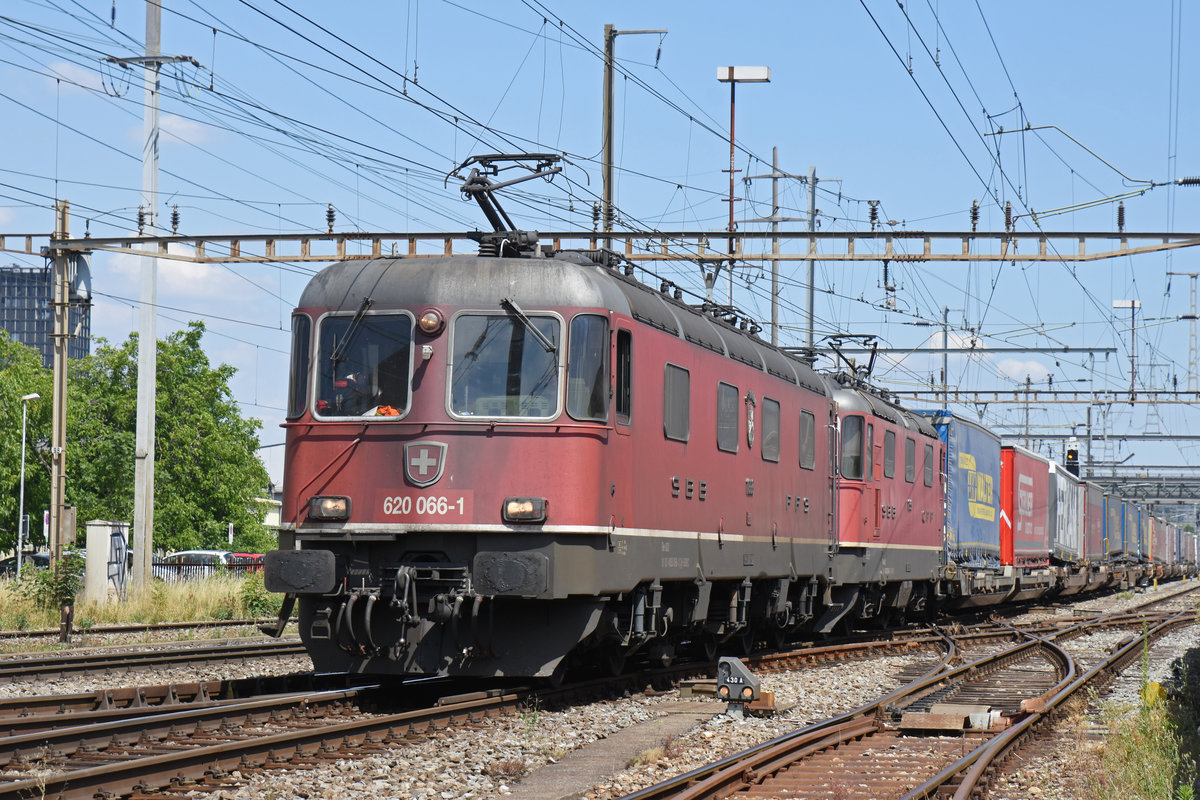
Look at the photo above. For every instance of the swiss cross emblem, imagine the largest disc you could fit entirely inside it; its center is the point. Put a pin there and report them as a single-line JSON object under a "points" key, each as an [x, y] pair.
{"points": [[424, 462]]}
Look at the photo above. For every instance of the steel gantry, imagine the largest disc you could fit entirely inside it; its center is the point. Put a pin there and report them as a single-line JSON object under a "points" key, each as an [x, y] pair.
{"points": [[644, 248]]}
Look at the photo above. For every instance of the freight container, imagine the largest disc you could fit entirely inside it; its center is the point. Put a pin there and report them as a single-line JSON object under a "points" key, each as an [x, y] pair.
{"points": [[1160, 550], [972, 469], [1128, 546], [1093, 523], [1066, 515], [1025, 508], [1113, 522]]}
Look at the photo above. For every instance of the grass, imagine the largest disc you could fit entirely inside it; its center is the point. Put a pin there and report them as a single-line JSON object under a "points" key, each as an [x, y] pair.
{"points": [[1144, 756], [1150, 750], [216, 597]]}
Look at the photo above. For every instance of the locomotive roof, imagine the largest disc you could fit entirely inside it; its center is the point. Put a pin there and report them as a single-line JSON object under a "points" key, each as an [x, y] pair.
{"points": [[569, 279], [864, 402]]}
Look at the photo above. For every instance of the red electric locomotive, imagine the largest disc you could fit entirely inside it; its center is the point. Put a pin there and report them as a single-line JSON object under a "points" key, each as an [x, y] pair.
{"points": [[496, 462], [507, 463]]}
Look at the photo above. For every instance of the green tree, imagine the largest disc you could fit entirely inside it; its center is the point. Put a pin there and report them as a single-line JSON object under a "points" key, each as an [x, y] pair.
{"points": [[22, 373], [206, 471]]}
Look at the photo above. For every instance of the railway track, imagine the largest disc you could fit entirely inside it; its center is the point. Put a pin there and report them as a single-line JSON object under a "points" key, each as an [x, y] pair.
{"points": [[119, 743], [122, 658], [140, 627], [942, 734]]}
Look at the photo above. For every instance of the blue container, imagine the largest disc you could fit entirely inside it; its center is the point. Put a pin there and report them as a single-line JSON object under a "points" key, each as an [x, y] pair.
{"points": [[972, 469], [1130, 542]]}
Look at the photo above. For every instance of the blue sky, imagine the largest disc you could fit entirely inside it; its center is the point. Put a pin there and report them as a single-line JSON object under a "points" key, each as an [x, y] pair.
{"points": [[367, 105]]}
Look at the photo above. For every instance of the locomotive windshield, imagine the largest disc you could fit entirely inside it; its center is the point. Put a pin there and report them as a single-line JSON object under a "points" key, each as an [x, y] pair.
{"points": [[502, 369], [363, 365]]}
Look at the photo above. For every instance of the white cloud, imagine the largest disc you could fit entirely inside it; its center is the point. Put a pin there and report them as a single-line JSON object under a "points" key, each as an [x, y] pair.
{"points": [[177, 129], [184, 280], [1017, 370], [174, 129], [75, 78], [7, 217]]}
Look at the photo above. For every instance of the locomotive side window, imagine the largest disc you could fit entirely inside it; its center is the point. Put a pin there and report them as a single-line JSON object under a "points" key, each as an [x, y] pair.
{"points": [[929, 465], [770, 430], [504, 366], [852, 448], [677, 403], [587, 368], [808, 440], [363, 365], [624, 376], [301, 342], [727, 417], [910, 460], [889, 454]]}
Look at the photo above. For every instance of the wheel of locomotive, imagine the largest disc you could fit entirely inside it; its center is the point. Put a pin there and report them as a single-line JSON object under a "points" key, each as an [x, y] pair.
{"points": [[707, 646], [612, 659], [779, 638], [745, 642], [556, 678]]}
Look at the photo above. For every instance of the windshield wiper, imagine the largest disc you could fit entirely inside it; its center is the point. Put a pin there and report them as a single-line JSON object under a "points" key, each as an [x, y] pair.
{"points": [[546, 344], [339, 352]]}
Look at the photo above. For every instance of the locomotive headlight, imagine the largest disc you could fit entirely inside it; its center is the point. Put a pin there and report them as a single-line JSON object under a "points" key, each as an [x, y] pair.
{"points": [[524, 509], [329, 508], [431, 322]]}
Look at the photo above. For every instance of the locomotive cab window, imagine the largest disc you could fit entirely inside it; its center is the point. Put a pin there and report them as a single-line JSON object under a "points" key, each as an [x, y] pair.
{"points": [[364, 365], [808, 440], [929, 465], [889, 454], [624, 393], [298, 387], [727, 417], [587, 368], [677, 413], [770, 430], [910, 460], [852, 448], [505, 365], [869, 454]]}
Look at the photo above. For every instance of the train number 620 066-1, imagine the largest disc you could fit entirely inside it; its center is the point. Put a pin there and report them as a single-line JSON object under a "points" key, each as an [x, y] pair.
{"points": [[426, 505]]}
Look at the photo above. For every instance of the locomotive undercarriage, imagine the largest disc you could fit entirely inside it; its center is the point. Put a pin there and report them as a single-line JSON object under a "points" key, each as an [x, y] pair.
{"points": [[461, 605]]}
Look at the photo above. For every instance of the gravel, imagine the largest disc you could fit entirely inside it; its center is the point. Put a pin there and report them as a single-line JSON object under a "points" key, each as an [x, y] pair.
{"points": [[155, 676], [485, 760], [488, 758]]}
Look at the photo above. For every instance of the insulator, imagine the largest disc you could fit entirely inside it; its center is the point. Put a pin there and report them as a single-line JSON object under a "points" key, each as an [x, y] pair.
{"points": [[974, 215], [1008, 216], [1192, 181], [629, 268], [665, 287], [873, 214], [1121, 217], [330, 217], [175, 219], [678, 294], [595, 216], [744, 324], [141, 218]]}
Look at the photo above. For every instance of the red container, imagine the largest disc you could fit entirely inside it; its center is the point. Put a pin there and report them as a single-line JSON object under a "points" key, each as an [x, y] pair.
{"points": [[1025, 508], [1093, 523]]}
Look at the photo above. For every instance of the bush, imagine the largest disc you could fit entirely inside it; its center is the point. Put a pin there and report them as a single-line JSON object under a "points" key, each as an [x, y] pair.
{"points": [[256, 600], [53, 588]]}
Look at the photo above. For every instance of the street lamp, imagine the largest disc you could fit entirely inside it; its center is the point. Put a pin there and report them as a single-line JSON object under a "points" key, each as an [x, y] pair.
{"points": [[21, 506], [733, 76]]}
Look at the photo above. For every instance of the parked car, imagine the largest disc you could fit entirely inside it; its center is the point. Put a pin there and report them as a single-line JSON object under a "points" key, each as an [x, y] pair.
{"points": [[246, 562], [8, 567], [190, 564]]}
